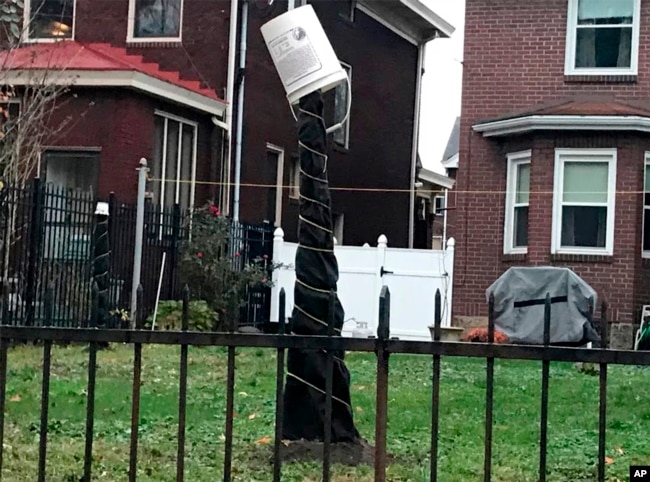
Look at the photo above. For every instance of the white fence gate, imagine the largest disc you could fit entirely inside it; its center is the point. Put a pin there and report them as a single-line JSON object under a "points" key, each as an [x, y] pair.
{"points": [[412, 275]]}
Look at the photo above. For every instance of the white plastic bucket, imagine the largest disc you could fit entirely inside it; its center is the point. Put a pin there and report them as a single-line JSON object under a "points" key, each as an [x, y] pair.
{"points": [[302, 53]]}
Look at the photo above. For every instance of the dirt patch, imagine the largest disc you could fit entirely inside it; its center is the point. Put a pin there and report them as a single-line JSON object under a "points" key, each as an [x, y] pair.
{"points": [[345, 453]]}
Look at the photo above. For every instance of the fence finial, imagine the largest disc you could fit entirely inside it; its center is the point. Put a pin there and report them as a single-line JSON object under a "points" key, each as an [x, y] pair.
{"points": [[278, 234], [451, 243], [382, 241]]}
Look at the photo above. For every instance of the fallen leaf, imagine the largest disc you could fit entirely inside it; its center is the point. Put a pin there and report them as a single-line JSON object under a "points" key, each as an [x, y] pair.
{"points": [[252, 416], [263, 441], [15, 398], [619, 450], [360, 387], [609, 460], [286, 443], [359, 409]]}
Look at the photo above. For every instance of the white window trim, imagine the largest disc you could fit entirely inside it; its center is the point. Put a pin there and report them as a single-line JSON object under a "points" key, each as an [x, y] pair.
{"points": [[195, 127], [515, 159], [24, 34], [583, 155], [646, 165], [130, 38], [348, 70], [439, 211], [279, 182], [569, 63]]}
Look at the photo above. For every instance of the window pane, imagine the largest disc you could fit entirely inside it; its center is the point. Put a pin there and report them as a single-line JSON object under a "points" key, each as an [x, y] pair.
{"points": [[646, 230], [156, 168], [521, 227], [647, 178], [585, 182], [604, 47], [157, 18], [171, 172], [51, 18], [584, 226], [186, 166], [523, 184], [606, 12], [340, 109]]}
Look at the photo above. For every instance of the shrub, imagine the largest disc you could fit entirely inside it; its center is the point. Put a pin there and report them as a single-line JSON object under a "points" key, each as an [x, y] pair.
{"points": [[212, 266], [480, 335], [170, 316]]}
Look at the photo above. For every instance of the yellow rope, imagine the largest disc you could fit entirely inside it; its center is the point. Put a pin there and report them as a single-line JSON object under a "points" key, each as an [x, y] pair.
{"points": [[312, 288], [314, 224], [313, 317], [320, 250], [315, 202], [318, 389], [312, 177]]}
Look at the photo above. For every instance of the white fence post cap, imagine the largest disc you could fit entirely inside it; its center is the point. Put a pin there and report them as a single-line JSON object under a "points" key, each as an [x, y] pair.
{"points": [[451, 242], [382, 240], [278, 234]]}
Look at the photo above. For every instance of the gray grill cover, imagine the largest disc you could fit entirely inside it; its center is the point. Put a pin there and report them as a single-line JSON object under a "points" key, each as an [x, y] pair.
{"points": [[519, 296]]}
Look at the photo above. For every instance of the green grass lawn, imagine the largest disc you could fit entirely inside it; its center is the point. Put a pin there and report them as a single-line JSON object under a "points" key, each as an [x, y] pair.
{"points": [[573, 420]]}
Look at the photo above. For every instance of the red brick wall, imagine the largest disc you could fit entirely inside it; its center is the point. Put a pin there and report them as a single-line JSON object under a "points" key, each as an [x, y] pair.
{"points": [[202, 55], [121, 124], [381, 126], [514, 59]]}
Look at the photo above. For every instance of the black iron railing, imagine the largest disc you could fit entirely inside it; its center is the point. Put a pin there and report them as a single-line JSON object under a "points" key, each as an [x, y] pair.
{"points": [[46, 242], [381, 345]]}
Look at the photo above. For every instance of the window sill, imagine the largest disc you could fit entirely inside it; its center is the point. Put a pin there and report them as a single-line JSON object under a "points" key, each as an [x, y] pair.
{"points": [[294, 200], [600, 79], [45, 40], [582, 258], [163, 44], [514, 257]]}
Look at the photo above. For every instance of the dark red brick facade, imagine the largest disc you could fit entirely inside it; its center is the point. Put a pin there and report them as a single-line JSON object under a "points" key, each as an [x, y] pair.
{"points": [[514, 59], [384, 73]]}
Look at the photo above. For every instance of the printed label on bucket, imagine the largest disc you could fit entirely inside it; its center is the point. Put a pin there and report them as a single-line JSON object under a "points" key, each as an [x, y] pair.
{"points": [[294, 56]]}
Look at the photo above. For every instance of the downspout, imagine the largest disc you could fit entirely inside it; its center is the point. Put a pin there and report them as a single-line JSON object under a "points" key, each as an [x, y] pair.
{"points": [[230, 93], [444, 221], [416, 137], [240, 108]]}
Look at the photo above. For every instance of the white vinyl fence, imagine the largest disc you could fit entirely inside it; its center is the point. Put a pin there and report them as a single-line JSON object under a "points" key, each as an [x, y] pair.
{"points": [[412, 275]]}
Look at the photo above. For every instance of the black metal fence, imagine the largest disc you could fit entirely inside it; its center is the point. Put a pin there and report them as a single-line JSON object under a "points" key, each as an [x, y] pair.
{"points": [[46, 242], [381, 345]]}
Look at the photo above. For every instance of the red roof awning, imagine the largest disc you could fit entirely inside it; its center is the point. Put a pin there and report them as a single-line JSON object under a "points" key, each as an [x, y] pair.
{"points": [[103, 65]]}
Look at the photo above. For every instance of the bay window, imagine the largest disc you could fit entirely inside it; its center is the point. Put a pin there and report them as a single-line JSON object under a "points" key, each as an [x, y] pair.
{"points": [[517, 198], [646, 208], [584, 196], [174, 161]]}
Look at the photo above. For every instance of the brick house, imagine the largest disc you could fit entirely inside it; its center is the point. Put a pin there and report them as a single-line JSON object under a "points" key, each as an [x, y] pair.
{"points": [[554, 165], [159, 79]]}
